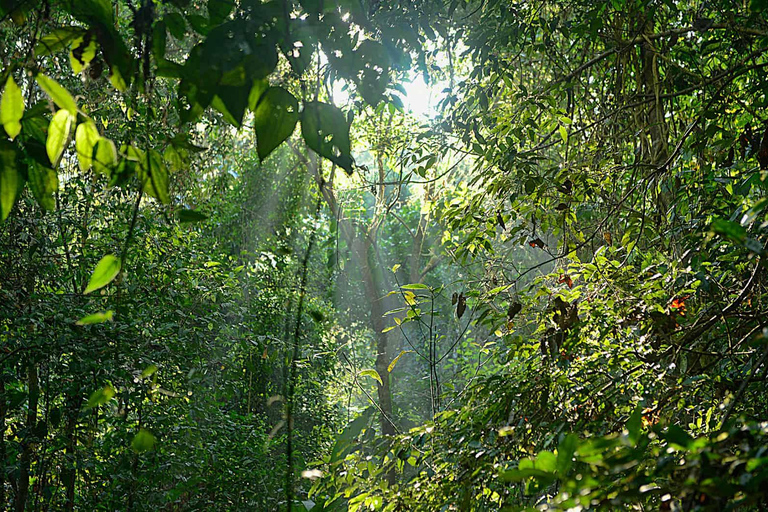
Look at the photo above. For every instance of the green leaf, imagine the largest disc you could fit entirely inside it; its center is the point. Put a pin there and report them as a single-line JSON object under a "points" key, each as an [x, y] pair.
{"points": [[415, 286], [677, 436], [57, 40], [730, 230], [149, 371], [634, 423], [81, 54], [218, 10], [9, 179], [546, 461], [563, 133], [143, 441], [105, 156], [325, 130], [154, 176], [274, 119], [44, 182], [101, 396], [57, 93], [104, 273], [58, 135], [186, 216], [373, 374], [96, 318], [396, 359], [11, 108], [565, 451], [86, 137], [176, 25]]}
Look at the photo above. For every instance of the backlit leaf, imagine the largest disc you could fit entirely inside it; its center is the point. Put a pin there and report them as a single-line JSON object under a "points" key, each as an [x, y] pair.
{"points": [[104, 273], [11, 108], [373, 374], [86, 137], [58, 135], [96, 318], [325, 130], [44, 182], [57, 93], [143, 441]]}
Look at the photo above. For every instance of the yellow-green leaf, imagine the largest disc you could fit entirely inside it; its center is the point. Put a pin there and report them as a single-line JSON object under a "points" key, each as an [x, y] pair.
{"points": [[396, 359], [11, 108], [105, 157], [373, 374], [101, 396], [154, 176], [58, 135], [143, 441], [58, 94], [106, 271], [86, 137], [81, 54], [96, 318]]}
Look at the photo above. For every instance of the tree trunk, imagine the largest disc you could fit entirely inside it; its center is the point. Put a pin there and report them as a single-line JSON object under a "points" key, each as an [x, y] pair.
{"points": [[27, 445]]}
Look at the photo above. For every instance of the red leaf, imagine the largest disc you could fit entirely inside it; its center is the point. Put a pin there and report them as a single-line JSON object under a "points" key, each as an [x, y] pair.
{"points": [[565, 278]]}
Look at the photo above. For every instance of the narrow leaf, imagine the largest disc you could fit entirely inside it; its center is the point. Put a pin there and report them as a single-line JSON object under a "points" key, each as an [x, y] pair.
{"points": [[395, 360], [9, 179], [373, 374], [96, 318]]}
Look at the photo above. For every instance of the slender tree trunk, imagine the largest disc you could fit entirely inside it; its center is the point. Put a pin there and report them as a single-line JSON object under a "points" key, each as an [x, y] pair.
{"points": [[69, 473], [27, 445], [2, 442]]}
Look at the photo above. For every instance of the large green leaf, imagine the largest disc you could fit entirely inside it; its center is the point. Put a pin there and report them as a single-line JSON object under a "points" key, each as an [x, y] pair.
{"points": [[57, 93], [105, 272], [82, 53], [104, 157], [274, 119], [326, 132], [58, 135], [154, 176], [86, 137], [44, 182], [57, 40], [9, 178], [11, 108]]}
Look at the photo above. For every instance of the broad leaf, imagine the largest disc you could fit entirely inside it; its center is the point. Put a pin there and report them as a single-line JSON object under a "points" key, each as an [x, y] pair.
{"points": [[325, 130], [154, 176], [9, 178], [11, 108], [57, 40], [101, 396], [57, 93], [44, 182], [104, 273], [104, 157], [143, 441], [86, 137], [58, 136], [274, 119]]}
